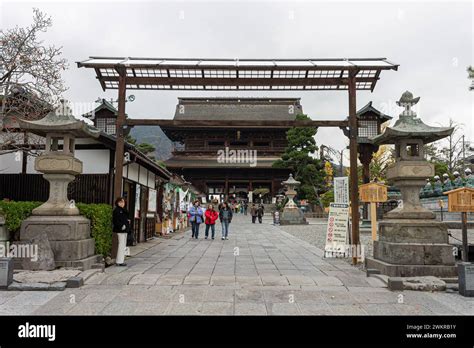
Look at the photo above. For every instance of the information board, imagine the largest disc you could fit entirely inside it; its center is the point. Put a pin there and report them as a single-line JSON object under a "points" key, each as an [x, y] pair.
{"points": [[341, 190], [337, 229]]}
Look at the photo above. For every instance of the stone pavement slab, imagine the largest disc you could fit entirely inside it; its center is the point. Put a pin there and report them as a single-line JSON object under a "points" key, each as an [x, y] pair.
{"points": [[260, 270]]}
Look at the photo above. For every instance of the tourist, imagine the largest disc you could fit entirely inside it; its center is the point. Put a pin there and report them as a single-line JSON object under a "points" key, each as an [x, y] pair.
{"points": [[225, 215], [121, 226], [246, 206], [253, 213], [196, 218], [260, 211], [210, 221]]}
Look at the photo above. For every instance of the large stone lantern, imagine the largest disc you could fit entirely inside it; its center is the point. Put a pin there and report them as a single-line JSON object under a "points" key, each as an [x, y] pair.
{"points": [[411, 242], [292, 215], [62, 235]]}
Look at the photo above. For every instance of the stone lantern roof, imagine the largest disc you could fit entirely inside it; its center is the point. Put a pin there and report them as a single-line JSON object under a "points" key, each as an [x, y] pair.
{"points": [[60, 121], [291, 181], [409, 126]]}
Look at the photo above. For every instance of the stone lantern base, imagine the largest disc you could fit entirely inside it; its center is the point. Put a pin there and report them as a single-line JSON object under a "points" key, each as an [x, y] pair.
{"points": [[62, 241], [413, 247], [292, 216]]}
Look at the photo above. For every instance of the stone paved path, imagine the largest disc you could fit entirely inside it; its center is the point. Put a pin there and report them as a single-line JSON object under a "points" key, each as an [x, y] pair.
{"points": [[260, 270]]}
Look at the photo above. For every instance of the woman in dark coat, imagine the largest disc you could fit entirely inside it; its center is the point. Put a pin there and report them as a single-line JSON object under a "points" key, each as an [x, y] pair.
{"points": [[225, 216], [121, 226]]}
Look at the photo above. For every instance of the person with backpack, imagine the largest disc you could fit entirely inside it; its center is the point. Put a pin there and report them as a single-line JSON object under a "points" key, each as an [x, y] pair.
{"points": [[225, 216], [210, 220], [196, 218]]}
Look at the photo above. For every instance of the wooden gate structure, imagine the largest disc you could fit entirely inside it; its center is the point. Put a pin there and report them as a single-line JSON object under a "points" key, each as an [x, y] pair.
{"points": [[338, 74]]}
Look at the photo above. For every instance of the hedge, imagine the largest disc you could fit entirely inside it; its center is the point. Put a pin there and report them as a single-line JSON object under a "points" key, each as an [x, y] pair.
{"points": [[99, 214]]}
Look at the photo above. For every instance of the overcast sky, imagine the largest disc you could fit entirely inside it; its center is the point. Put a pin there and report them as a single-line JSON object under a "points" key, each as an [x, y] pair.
{"points": [[432, 42]]}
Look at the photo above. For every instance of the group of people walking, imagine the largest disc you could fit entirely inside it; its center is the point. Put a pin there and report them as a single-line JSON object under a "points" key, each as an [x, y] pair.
{"points": [[197, 216], [257, 212]]}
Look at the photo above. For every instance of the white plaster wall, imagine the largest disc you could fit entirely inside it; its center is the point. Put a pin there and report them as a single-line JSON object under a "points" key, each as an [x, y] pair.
{"points": [[94, 161], [133, 171], [151, 180], [143, 180]]}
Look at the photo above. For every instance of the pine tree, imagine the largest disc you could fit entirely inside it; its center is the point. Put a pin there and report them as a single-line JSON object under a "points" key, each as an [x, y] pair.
{"points": [[298, 158]]}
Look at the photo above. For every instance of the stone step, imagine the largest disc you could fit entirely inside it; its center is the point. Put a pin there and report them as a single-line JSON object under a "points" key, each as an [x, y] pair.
{"points": [[393, 270], [83, 264]]}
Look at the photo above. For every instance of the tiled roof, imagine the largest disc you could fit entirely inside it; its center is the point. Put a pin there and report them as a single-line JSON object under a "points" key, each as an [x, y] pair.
{"points": [[255, 109]]}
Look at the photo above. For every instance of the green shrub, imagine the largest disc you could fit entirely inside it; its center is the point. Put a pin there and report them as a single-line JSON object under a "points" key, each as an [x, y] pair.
{"points": [[327, 197], [16, 212], [99, 214], [101, 225]]}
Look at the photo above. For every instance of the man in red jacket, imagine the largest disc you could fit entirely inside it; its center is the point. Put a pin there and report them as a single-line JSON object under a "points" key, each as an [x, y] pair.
{"points": [[210, 221]]}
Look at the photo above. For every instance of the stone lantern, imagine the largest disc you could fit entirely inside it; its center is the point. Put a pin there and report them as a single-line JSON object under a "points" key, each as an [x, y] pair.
{"points": [[411, 242], [62, 235], [292, 215]]}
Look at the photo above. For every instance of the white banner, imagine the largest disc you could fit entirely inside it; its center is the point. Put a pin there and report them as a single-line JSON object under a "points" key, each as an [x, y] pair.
{"points": [[152, 200], [137, 201], [341, 190], [337, 229]]}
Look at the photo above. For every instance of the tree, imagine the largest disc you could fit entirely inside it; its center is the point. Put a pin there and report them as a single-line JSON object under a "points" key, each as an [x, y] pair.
{"points": [[381, 160], [450, 150], [147, 149], [298, 157], [30, 81], [30, 72]]}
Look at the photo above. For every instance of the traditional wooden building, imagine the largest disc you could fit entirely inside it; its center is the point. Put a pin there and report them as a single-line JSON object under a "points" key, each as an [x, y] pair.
{"points": [[142, 178], [226, 160]]}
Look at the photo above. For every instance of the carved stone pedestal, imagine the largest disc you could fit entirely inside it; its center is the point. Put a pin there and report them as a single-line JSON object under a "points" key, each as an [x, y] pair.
{"points": [[292, 216], [410, 247], [68, 237]]}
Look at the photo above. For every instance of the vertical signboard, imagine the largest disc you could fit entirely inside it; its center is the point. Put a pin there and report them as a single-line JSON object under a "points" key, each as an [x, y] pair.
{"points": [[337, 229], [341, 190]]}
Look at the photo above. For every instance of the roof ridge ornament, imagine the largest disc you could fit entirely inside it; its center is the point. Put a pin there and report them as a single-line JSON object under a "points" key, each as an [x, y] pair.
{"points": [[407, 101]]}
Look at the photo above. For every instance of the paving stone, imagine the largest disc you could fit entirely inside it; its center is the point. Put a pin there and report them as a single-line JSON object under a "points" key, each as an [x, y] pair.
{"points": [[274, 280], [196, 280], [87, 308], [210, 279], [300, 280], [347, 310], [170, 280], [249, 280], [246, 295], [217, 308], [185, 309], [144, 279], [219, 295], [314, 308], [327, 281], [151, 308], [250, 308], [283, 309], [119, 308]]}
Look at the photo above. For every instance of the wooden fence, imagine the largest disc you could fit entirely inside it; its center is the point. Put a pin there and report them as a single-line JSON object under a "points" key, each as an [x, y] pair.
{"points": [[86, 188]]}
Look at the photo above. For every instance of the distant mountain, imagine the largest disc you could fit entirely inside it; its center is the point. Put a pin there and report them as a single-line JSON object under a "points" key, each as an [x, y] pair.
{"points": [[153, 135]]}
